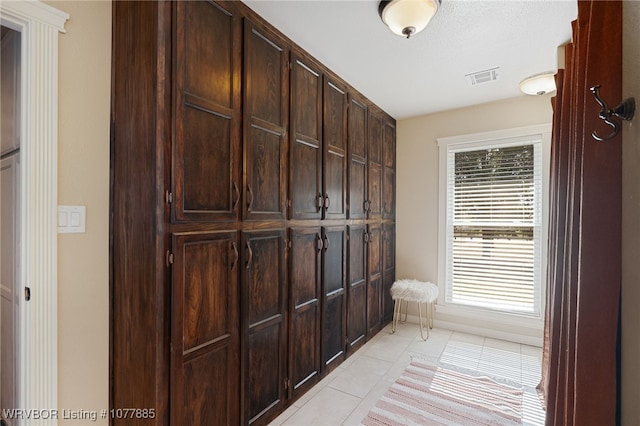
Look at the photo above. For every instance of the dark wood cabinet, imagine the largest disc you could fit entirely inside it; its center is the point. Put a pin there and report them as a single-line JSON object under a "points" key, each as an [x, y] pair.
{"points": [[374, 165], [305, 259], [205, 361], [334, 296], [374, 279], [317, 159], [252, 215], [388, 269], [335, 149], [305, 167], [357, 289], [357, 152], [207, 149], [266, 118], [264, 323], [389, 171]]}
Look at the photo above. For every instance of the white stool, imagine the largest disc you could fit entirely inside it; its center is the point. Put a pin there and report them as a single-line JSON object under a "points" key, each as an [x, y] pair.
{"points": [[414, 291]]}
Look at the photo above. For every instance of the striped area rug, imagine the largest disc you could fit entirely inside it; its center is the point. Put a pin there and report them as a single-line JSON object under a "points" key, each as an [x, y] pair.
{"points": [[432, 395]]}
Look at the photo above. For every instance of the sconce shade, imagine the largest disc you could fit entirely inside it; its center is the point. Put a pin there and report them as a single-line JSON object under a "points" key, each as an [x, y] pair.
{"points": [[539, 84], [407, 17]]}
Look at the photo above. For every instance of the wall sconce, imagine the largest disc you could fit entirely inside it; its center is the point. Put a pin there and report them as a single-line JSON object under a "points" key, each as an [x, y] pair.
{"points": [[539, 84], [407, 17]]}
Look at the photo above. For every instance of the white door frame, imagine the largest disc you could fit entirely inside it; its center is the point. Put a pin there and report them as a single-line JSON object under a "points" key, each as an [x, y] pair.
{"points": [[39, 25]]}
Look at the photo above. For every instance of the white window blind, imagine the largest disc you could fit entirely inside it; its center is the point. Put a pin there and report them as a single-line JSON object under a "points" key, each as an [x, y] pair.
{"points": [[494, 212]]}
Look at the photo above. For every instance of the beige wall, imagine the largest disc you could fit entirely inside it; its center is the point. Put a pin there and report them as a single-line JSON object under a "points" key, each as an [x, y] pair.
{"points": [[630, 223], [417, 178], [83, 179]]}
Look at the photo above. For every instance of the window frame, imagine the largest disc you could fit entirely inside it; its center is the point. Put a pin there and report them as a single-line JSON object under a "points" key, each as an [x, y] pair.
{"points": [[479, 141]]}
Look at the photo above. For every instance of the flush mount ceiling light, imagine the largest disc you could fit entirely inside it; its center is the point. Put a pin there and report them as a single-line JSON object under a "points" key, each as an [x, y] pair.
{"points": [[539, 84], [407, 17]]}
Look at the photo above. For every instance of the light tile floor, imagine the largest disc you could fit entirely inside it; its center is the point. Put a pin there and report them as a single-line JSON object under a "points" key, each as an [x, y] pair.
{"points": [[346, 395]]}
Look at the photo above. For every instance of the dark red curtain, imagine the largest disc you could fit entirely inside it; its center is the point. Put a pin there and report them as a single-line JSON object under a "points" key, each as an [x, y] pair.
{"points": [[584, 264]]}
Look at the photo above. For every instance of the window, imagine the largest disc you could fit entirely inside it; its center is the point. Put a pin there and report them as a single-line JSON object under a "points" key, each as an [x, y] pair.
{"points": [[492, 207]]}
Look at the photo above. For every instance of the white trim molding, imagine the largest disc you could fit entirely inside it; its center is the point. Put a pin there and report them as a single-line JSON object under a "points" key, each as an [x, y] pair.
{"points": [[39, 25], [466, 319]]}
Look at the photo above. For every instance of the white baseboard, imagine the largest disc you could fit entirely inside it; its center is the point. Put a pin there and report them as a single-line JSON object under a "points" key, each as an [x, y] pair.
{"points": [[481, 331]]}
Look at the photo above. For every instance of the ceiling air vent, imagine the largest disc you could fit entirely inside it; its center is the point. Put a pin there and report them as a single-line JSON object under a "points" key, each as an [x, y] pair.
{"points": [[481, 77]]}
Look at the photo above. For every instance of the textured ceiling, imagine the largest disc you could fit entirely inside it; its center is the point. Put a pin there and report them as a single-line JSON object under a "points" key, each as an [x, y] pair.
{"points": [[426, 73]]}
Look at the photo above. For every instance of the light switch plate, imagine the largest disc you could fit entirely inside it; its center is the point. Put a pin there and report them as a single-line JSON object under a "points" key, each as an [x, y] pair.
{"points": [[71, 219]]}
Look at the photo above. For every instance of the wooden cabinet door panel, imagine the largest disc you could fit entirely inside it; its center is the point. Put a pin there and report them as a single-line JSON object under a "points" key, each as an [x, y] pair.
{"points": [[374, 146], [389, 171], [389, 271], [305, 284], [334, 296], [357, 155], [205, 323], [206, 152], [388, 278], [374, 137], [374, 290], [305, 185], [264, 316], [265, 124], [357, 289], [335, 150], [375, 190]]}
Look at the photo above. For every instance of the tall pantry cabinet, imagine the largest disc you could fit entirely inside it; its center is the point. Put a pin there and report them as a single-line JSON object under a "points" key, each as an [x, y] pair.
{"points": [[252, 216]]}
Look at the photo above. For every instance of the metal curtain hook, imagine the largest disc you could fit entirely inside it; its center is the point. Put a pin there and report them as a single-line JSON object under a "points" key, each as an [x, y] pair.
{"points": [[624, 111]]}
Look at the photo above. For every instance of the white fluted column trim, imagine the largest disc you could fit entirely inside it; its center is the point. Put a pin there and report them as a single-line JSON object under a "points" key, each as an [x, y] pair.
{"points": [[39, 25]]}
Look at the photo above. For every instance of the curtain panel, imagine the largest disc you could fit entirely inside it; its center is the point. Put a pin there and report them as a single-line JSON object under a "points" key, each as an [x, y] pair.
{"points": [[584, 254]]}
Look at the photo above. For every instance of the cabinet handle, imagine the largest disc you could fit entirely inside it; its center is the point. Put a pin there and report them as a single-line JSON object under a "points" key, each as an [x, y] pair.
{"points": [[366, 237], [326, 243], [319, 244], [237, 192], [250, 200], [364, 205], [327, 201], [319, 202], [234, 247], [250, 259]]}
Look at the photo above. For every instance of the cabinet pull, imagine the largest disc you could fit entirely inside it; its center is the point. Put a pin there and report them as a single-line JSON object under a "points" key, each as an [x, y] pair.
{"points": [[236, 190], [326, 243], [250, 259], [236, 255], [364, 205], [366, 237], [319, 202], [327, 201], [319, 244], [250, 200]]}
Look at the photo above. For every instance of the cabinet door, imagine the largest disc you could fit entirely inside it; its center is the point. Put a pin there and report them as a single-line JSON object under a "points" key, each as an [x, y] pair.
{"points": [[305, 284], [206, 150], [305, 168], [205, 366], [374, 290], [333, 297], [389, 171], [265, 124], [357, 153], [335, 150], [374, 182], [357, 289], [389, 270], [264, 298]]}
